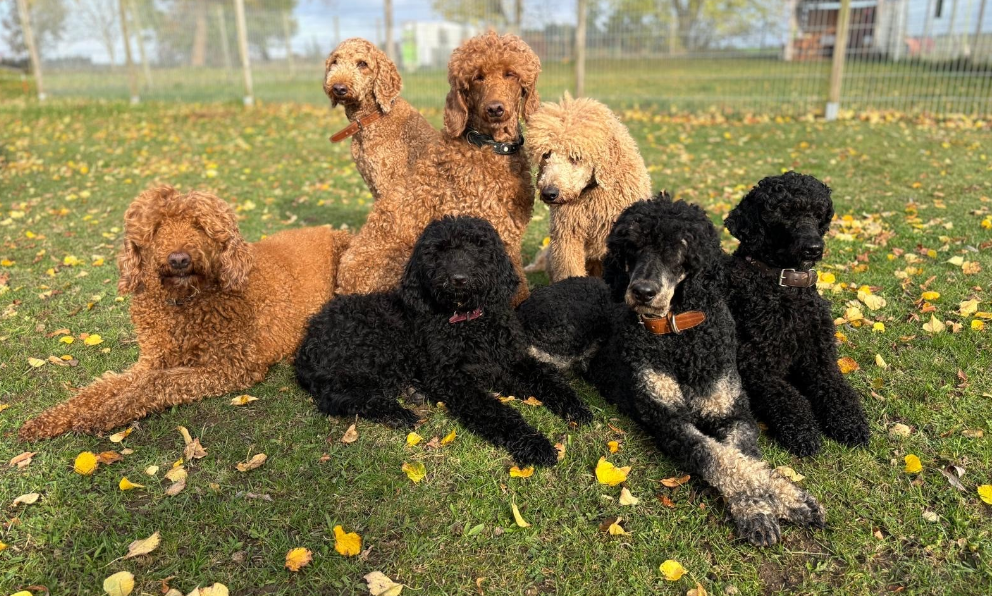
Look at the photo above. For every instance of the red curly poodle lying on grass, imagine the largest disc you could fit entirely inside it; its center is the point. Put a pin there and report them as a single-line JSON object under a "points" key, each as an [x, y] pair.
{"points": [[212, 312]]}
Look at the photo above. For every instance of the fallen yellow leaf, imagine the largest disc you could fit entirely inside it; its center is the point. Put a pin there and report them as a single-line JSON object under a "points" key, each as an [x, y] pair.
{"points": [[118, 437], [847, 365], [930, 296], [256, 460], [675, 481], [449, 438], [415, 471], [119, 584], [790, 473], [85, 463], [878, 327], [880, 362], [977, 325], [607, 473], [151, 470], [968, 307], [23, 460], [413, 439], [517, 518], [956, 261], [533, 401], [516, 472], [985, 492], [615, 529], [613, 446], [934, 326], [218, 589], [626, 498], [672, 570], [242, 400], [913, 464], [26, 499], [36, 362], [93, 340], [348, 544], [142, 547], [350, 435], [126, 484], [560, 448], [298, 558], [380, 585]]}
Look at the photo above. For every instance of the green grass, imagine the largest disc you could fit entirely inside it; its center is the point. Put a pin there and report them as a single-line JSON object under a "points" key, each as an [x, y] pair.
{"points": [[276, 159], [698, 83]]}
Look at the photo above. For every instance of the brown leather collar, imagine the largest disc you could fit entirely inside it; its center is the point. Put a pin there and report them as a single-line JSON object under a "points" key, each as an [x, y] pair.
{"points": [[673, 323], [791, 278], [356, 126]]}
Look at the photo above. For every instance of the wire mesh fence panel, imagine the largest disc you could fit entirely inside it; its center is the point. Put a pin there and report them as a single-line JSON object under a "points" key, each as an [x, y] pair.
{"points": [[743, 56]]}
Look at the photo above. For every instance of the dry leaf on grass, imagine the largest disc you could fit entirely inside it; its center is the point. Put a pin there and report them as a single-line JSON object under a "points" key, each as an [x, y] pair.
{"points": [[626, 498], [613, 446], [516, 472], [517, 518], [607, 473], [350, 435], [242, 400], [675, 482], [298, 558], [126, 484], [415, 471], [26, 499], [256, 460], [560, 448], [611, 526], [348, 544], [913, 464], [533, 401], [23, 460], [672, 570], [899, 430], [218, 589], [449, 438], [790, 473], [85, 463], [699, 590], [413, 439], [380, 585], [985, 493], [142, 547], [119, 584], [952, 473], [847, 365], [118, 437], [109, 457]]}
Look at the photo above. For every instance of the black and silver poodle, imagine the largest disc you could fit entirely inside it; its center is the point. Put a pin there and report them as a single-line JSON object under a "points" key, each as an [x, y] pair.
{"points": [[448, 331], [669, 358], [787, 358]]}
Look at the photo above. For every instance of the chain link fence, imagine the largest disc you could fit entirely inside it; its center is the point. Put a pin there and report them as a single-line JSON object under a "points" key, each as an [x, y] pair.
{"points": [[743, 56]]}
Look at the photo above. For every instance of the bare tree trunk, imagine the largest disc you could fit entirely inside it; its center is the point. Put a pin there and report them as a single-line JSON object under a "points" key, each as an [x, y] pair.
{"points": [[289, 45], [132, 76], [25, 14], [580, 49], [224, 43], [239, 14], [790, 42], [145, 67], [387, 13], [198, 54]]}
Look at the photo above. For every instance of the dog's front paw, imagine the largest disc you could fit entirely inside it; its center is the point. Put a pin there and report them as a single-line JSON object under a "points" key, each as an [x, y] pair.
{"points": [[760, 529], [580, 413], [400, 418], [809, 512], [851, 430], [533, 449], [802, 441]]}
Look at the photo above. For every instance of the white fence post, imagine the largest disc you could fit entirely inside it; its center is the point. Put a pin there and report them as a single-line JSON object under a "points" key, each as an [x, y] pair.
{"points": [[25, 14], [580, 50], [239, 14], [132, 77]]}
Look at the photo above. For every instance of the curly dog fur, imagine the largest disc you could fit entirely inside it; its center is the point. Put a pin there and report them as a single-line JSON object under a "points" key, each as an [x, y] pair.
{"points": [[683, 389], [493, 82], [788, 360], [589, 170], [361, 77], [211, 311], [361, 352]]}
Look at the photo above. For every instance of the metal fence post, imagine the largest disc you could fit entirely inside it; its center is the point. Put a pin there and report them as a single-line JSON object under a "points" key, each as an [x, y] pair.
{"points": [[25, 14], [132, 77], [840, 54], [387, 10], [580, 50], [239, 17], [289, 43]]}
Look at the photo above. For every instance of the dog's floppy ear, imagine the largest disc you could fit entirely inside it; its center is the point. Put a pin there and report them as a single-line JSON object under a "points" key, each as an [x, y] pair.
{"points": [[532, 99], [503, 286], [827, 218], [219, 222], [455, 112], [743, 222], [387, 85], [139, 225], [235, 260]]}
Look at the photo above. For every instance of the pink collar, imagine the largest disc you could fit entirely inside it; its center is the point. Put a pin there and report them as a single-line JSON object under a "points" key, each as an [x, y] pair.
{"points": [[458, 317]]}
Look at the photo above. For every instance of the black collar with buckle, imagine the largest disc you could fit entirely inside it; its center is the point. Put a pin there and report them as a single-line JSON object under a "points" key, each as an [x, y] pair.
{"points": [[478, 139], [788, 277]]}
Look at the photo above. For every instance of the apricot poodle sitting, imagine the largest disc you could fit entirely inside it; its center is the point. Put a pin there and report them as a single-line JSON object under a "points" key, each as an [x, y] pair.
{"points": [[477, 168], [589, 171], [448, 332], [211, 311], [387, 133]]}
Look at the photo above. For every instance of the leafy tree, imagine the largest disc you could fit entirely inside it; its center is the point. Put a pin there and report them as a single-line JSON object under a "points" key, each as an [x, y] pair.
{"points": [[47, 21]]}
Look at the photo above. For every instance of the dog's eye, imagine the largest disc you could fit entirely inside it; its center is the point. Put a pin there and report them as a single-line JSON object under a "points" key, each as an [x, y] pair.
{"points": [[546, 155], [334, 62], [480, 77], [574, 160], [363, 64], [509, 74]]}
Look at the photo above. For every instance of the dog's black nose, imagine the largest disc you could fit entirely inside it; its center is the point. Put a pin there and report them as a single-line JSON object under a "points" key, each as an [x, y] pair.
{"points": [[179, 261], [643, 291], [495, 109], [812, 252], [549, 194], [339, 89], [459, 280]]}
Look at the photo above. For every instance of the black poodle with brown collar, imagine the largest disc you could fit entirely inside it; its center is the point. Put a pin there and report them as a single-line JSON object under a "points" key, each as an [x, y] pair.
{"points": [[787, 356], [448, 331], [669, 359]]}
